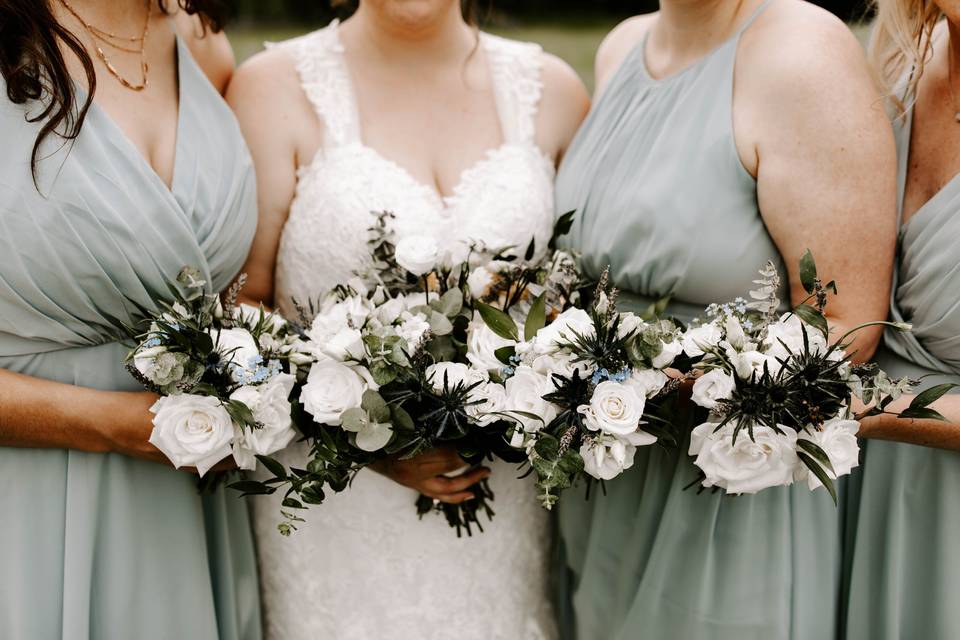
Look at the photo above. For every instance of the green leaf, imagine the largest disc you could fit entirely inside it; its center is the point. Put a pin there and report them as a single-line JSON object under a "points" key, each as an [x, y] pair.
{"points": [[401, 419], [561, 228], [820, 473], [531, 250], [240, 414], [440, 325], [503, 354], [921, 413], [375, 406], [292, 503], [547, 447], [354, 419], [251, 488], [273, 466], [449, 304], [816, 452], [571, 463], [812, 317], [928, 396], [442, 349], [808, 272], [499, 322], [537, 318]]}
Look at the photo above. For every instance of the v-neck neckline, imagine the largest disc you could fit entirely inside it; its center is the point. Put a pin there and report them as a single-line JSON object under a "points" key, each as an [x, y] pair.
{"points": [[445, 201], [142, 160]]}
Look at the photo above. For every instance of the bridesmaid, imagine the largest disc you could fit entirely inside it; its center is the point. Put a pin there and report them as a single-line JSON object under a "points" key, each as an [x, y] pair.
{"points": [[727, 133], [905, 560], [121, 164]]}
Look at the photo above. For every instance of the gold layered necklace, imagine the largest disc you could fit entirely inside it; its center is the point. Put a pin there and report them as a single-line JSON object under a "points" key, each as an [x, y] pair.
{"points": [[126, 44]]}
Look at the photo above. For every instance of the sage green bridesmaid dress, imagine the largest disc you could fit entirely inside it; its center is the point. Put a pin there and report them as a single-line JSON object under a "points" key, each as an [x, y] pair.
{"points": [[663, 199], [103, 546], [904, 560]]}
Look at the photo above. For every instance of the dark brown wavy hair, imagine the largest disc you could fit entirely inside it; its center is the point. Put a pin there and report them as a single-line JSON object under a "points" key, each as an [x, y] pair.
{"points": [[32, 62]]}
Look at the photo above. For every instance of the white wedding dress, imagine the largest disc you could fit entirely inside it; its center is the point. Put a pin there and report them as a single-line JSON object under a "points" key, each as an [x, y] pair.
{"points": [[363, 566]]}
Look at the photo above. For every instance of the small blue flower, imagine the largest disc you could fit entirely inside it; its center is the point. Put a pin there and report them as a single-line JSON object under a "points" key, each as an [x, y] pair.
{"points": [[152, 342]]}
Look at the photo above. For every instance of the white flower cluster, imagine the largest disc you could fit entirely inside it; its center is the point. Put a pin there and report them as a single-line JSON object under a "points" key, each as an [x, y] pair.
{"points": [[614, 415], [199, 430], [760, 457]]}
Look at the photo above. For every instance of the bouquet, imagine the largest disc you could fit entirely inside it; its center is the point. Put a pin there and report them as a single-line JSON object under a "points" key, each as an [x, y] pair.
{"points": [[585, 390], [220, 371], [780, 393], [400, 362]]}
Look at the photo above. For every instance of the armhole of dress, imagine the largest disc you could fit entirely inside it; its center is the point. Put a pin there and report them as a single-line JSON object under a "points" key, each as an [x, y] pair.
{"points": [[517, 70], [323, 80]]}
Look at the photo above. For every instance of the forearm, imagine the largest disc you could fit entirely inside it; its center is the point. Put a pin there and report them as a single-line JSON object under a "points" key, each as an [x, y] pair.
{"points": [[41, 413], [927, 433]]}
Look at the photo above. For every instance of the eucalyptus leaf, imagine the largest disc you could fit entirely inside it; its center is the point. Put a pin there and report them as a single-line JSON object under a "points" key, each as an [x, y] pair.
{"points": [[449, 304], [401, 419], [375, 406]]}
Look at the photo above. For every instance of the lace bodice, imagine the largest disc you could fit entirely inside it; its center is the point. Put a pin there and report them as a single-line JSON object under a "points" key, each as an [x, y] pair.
{"points": [[505, 198], [364, 566]]}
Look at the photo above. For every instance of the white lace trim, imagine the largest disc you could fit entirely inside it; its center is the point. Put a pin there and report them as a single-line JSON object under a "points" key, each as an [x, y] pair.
{"points": [[516, 68], [326, 82]]}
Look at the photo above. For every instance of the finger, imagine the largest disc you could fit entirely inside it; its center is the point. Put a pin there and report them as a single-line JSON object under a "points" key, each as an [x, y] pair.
{"points": [[442, 485], [455, 498], [439, 461]]}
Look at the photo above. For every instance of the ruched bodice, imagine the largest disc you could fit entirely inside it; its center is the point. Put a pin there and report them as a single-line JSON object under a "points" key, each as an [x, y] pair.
{"points": [[903, 562], [103, 545], [664, 200], [661, 194]]}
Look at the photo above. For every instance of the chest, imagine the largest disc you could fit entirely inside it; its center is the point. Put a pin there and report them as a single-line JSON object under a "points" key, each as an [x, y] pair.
{"points": [[933, 158]]}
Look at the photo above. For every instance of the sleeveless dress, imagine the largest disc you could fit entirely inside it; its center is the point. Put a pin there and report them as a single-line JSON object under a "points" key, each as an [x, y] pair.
{"points": [[363, 566], [105, 546], [904, 560], [663, 199]]}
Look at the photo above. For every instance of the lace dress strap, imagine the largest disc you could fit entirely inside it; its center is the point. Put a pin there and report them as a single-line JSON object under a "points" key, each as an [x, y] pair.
{"points": [[516, 70], [326, 82]]}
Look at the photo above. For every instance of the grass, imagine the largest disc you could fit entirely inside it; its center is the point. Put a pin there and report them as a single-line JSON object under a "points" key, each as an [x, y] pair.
{"points": [[574, 42]]}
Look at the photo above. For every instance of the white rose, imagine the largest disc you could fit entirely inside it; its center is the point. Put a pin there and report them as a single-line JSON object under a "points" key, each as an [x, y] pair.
{"points": [[417, 254], [605, 457], [614, 408], [525, 390], [747, 466], [572, 321], [706, 335], [482, 344], [490, 398], [270, 405], [413, 328], [785, 338], [332, 387], [746, 363], [562, 363], [713, 386], [647, 382], [667, 354], [238, 348], [346, 344], [629, 324], [452, 374], [479, 282], [389, 312], [191, 430], [838, 438]]}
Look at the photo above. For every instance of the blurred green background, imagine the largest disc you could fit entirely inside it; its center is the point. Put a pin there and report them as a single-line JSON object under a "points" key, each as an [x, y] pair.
{"points": [[571, 29]]}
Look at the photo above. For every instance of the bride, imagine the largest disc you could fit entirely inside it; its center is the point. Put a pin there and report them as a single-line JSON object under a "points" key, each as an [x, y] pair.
{"points": [[403, 107]]}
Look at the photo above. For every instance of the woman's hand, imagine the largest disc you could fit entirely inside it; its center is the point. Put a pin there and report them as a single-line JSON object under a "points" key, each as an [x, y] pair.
{"points": [[425, 473]]}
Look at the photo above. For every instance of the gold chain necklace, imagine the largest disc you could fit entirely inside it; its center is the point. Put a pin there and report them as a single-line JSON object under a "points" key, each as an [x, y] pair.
{"points": [[112, 40]]}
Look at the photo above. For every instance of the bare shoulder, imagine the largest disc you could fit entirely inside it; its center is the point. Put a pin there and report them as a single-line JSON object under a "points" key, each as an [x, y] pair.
{"points": [[619, 43], [800, 51], [561, 84], [267, 96], [212, 51]]}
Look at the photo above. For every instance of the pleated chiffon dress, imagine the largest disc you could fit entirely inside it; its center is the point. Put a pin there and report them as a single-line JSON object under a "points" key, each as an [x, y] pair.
{"points": [[664, 201], [904, 558], [106, 546]]}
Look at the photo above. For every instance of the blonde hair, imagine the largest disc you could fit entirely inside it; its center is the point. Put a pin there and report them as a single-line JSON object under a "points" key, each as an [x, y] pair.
{"points": [[900, 46]]}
